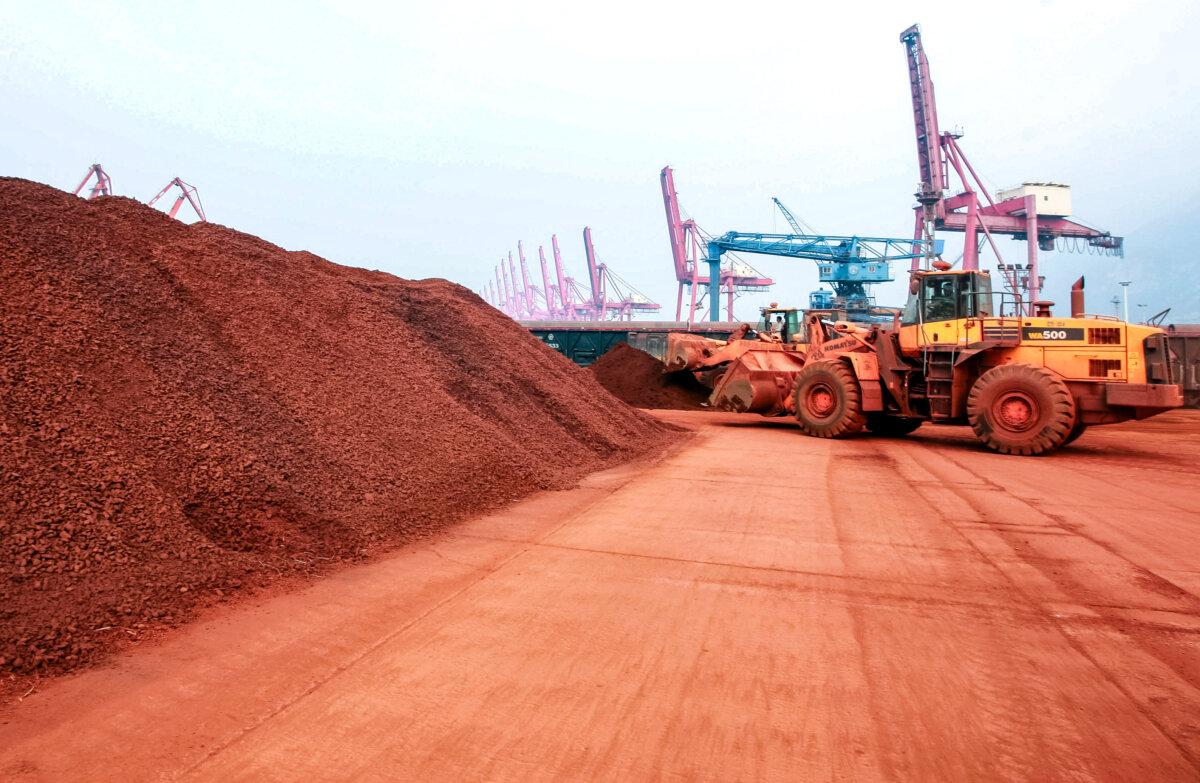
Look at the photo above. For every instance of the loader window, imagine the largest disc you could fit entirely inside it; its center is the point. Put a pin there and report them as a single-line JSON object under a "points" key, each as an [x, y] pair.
{"points": [[940, 295], [948, 298], [911, 314], [783, 323], [979, 296]]}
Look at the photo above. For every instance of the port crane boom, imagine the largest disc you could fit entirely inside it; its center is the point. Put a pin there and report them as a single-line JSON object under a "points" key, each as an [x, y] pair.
{"points": [[798, 226]]}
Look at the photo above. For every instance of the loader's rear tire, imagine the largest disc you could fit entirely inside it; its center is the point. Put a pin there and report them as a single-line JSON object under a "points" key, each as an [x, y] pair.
{"points": [[1021, 409], [891, 426], [828, 400]]}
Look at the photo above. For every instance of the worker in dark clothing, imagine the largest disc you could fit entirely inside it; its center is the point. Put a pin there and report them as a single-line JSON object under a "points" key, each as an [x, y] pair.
{"points": [[940, 301]]}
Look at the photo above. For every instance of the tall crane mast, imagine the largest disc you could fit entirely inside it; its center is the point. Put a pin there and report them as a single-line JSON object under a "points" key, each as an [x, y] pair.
{"points": [[564, 290], [576, 303], [530, 302], [510, 301], [503, 305], [518, 296], [1035, 212], [676, 230], [595, 273], [930, 164], [547, 290]]}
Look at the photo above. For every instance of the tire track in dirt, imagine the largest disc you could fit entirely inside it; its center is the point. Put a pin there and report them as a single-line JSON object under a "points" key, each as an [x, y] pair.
{"points": [[1174, 717], [1000, 711]]}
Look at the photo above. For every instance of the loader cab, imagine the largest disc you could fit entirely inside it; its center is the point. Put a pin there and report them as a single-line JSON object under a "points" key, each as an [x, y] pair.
{"points": [[783, 321], [939, 302]]}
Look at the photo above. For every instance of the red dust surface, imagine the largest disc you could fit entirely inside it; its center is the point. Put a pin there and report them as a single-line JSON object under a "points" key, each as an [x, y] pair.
{"points": [[637, 378], [187, 411]]}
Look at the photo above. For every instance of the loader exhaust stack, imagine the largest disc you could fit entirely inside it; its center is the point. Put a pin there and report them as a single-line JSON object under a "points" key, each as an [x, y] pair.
{"points": [[1077, 307]]}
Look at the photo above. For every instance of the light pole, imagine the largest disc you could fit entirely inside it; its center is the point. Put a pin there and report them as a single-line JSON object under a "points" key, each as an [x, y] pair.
{"points": [[1125, 297]]}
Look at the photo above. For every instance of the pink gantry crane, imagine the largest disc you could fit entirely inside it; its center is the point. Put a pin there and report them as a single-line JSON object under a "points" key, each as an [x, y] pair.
{"points": [[1036, 212], [549, 294], [613, 296], [510, 306], [103, 186], [518, 299], [574, 305], [564, 294], [689, 245], [562, 298], [186, 193], [529, 298], [501, 302], [595, 276]]}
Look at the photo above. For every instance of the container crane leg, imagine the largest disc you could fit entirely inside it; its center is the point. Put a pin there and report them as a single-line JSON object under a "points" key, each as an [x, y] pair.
{"points": [[970, 239], [714, 284], [1031, 241], [692, 290]]}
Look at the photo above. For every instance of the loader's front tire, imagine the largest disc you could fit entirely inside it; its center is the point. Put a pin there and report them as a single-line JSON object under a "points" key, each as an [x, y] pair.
{"points": [[891, 426], [828, 400], [1021, 409], [1075, 432]]}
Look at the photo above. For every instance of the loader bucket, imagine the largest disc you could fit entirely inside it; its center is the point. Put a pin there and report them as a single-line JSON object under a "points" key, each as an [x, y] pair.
{"points": [[688, 351], [758, 382]]}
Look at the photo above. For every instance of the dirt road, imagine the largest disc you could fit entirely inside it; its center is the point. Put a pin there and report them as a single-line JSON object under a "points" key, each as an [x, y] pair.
{"points": [[755, 605]]}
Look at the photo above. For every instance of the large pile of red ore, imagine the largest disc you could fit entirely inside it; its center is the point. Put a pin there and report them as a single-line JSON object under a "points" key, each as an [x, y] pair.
{"points": [[187, 411]]}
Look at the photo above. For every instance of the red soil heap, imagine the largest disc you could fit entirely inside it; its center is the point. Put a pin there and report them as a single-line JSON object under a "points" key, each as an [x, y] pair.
{"points": [[637, 378], [188, 410]]}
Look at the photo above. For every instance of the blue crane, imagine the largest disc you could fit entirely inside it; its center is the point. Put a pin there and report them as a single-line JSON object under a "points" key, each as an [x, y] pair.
{"points": [[847, 263]]}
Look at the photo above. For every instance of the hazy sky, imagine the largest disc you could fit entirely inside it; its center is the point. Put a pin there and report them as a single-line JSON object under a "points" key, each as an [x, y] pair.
{"points": [[426, 139]]}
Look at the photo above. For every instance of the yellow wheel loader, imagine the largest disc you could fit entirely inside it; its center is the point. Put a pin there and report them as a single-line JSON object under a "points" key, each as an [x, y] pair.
{"points": [[1025, 384]]}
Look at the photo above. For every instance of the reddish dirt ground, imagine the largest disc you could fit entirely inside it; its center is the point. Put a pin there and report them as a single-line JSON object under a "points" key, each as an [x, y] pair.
{"points": [[187, 412], [753, 605], [637, 378]]}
